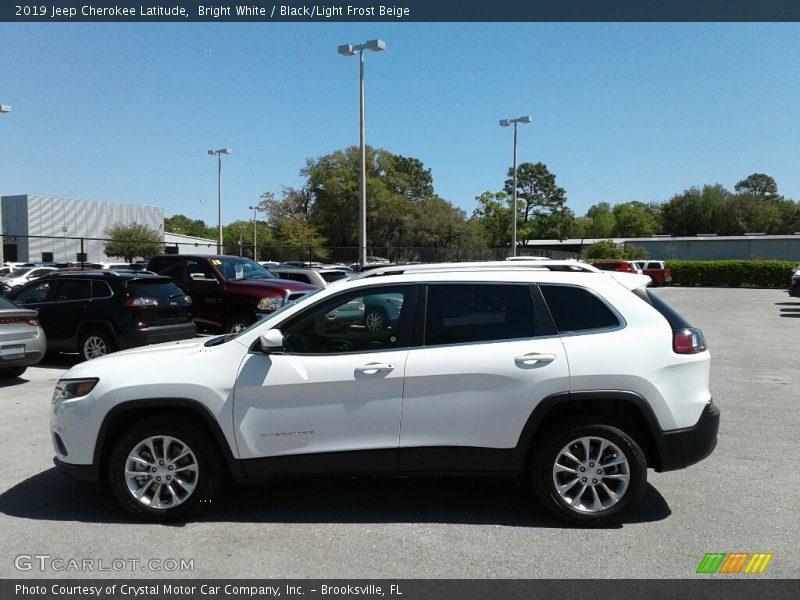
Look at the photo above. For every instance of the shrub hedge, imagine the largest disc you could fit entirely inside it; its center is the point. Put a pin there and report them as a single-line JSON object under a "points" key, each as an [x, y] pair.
{"points": [[732, 273]]}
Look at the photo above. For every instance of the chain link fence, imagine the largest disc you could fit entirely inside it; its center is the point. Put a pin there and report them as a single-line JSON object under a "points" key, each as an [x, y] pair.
{"points": [[76, 250]]}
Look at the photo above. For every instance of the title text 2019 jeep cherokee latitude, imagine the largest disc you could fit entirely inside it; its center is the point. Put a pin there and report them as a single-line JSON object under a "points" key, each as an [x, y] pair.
{"points": [[576, 379]]}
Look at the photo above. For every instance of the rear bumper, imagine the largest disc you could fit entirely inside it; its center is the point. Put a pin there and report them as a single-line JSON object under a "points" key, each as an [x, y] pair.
{"points": [[28, 359], [134, 338], [684, 447]]}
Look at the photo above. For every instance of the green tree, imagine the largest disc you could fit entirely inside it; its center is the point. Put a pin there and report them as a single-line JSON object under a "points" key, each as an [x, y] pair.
{"points": [[602, 222], [603, 249], [538, 194], [758, 184], [494, 214], [696, 210], [186, 226], [130, 242], [402, 207], [748, 213], [633, 219]]}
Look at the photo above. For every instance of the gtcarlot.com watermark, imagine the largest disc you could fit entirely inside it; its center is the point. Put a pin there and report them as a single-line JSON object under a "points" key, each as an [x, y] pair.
{"points": [[50, 563]]}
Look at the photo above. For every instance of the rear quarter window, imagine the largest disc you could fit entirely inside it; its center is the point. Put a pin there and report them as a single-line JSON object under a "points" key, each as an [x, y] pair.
{"points": [[577, 309]]}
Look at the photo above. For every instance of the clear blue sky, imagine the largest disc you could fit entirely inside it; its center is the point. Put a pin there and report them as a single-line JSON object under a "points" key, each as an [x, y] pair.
{"points": [[126, 113]]}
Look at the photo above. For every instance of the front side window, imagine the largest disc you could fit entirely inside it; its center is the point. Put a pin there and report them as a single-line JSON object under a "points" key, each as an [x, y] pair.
{"points": [[35, 293], [577, 309], [457, 314], [354, 322]]}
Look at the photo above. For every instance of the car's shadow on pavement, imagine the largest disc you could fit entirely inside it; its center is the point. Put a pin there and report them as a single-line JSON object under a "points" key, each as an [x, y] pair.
{"points": [[51, 496], [792, 311]]}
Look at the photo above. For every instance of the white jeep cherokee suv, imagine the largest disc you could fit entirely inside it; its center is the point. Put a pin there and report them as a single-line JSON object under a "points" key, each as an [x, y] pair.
{"points": [[574, 378]]}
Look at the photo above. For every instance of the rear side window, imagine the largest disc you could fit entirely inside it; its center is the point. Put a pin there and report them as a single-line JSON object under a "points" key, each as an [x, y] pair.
{"points": [[458, 314], [330, 276], [176, 270], [577, 309]]}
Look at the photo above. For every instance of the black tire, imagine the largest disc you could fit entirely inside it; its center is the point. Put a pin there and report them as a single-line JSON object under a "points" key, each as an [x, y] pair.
{"points": [[542, 467], [95, 343], [238, 322], [375, 320], [204, 479], [12, 372]]}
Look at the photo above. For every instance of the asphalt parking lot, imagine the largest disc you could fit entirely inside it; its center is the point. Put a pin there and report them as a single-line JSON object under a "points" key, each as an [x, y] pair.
{"points": [[744, 498]]}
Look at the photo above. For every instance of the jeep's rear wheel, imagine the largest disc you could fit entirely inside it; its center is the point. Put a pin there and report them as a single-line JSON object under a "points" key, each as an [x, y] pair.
{"points": [[164, 470], [94, 344], [589, 474]]}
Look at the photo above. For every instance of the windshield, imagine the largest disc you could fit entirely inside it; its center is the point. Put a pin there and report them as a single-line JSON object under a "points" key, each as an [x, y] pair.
{"points": [[233, 268], [19, 272]]}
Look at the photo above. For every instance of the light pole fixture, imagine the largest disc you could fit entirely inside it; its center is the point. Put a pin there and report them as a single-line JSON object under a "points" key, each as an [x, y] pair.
{"points": [[506, 123], [4, 108], [351, 50], [218, 154], [255, 242]]}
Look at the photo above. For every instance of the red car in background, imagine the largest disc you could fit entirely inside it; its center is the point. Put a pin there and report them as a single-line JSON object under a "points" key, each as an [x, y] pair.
{"points": [[656, 269], [625, 266]]}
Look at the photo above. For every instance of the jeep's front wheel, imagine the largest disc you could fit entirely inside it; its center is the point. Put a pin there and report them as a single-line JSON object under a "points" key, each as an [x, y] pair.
{"points": [[164, 470], [589, 474]]}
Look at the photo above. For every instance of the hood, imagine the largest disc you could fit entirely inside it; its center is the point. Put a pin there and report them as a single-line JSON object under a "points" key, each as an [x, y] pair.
{"points": [[160, 354], [282, 285]]}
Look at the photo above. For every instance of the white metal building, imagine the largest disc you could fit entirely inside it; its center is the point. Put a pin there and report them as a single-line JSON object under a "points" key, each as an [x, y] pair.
{"points": [[177, 243], [42, 228]]}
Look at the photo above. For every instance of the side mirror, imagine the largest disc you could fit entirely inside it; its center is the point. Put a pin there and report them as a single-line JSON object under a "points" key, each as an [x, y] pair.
{"points": [[271, 340]]}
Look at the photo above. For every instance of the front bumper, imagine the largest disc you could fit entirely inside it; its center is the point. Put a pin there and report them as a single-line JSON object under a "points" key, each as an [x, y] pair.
{"points": [[684, 447], [80, 473]]}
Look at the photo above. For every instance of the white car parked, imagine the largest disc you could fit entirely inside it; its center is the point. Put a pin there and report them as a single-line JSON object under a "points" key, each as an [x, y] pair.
{"points": [[22, 275], [575, 379]]}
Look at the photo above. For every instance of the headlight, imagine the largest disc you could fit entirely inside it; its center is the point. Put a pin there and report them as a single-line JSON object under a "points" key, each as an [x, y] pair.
{"points": [[68, 389], [269, 304]]}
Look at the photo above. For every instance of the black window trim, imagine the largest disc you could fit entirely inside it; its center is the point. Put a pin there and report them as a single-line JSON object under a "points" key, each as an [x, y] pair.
{"points": [[622, 323], [409, 318], [422, 319]]}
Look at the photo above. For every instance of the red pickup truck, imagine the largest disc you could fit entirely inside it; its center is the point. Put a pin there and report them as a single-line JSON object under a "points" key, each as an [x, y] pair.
{"points": [[657, 271]]}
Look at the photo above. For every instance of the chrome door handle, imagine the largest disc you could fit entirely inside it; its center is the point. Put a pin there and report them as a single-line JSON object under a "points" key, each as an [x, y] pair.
{"points": [[373, 368], [534, 357]]}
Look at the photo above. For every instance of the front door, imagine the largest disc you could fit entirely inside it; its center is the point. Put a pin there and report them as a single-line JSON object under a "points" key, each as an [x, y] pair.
{"points": [[336, 387]]}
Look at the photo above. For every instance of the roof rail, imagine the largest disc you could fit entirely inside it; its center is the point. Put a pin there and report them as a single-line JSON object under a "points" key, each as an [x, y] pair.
{"points": [[500, 265]]}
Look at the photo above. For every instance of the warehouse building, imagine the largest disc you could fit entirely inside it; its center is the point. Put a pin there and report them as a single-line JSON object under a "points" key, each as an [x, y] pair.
{"points": [[46, 229]]}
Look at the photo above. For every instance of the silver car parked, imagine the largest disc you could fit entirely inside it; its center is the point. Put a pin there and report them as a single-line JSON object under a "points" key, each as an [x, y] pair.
{"points": [[22, 340]]}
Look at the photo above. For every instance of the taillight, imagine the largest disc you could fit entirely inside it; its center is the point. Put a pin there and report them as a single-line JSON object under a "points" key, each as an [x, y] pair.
{"points": [[688, 341], [13, 320], [140, 302]]}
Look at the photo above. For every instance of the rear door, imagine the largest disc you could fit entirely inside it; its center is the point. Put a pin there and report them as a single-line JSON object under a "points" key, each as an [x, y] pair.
{"points": [[489, 357]]}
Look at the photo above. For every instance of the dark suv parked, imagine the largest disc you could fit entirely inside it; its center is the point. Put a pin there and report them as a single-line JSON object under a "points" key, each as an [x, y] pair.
{"points": [[229, 292], [97, 312]]}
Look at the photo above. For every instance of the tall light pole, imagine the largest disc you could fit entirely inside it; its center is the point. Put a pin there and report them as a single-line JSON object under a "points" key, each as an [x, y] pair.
{"points": [[351, 50], [506, 123], [4, 108], [218, 154], [255, 241]]}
